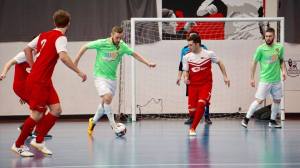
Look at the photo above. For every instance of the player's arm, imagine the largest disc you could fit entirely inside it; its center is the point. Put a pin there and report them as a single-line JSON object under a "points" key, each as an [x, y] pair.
{"points": [[6, 68], [223, 70], [29, 56], [28, 50], [180, 73], [64, 57], [80, 53], [143, 60], [252, 75], [185, 70], [283, 69]]}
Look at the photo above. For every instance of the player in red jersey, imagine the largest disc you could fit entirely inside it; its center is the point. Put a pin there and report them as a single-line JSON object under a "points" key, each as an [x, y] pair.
{"points": [[40, 92], [197, 74]]}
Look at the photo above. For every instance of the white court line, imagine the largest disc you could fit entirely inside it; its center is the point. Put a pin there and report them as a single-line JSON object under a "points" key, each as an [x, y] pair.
{"points": [[169, 165]]}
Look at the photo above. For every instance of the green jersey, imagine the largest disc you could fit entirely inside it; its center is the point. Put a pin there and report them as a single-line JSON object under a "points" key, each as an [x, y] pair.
{"points": [[108, 57], [269, 58]]}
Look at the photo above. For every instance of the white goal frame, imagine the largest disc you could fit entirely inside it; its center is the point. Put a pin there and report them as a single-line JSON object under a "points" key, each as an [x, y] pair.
{"points": [[132, 42]]}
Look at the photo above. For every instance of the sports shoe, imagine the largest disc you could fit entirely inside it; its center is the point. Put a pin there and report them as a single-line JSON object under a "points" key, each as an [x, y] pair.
{"points": [[22, 150], [244, 122], [274, 124], [192, 132], [41, 147], [189, 121], [207, 120], [91, 126]]}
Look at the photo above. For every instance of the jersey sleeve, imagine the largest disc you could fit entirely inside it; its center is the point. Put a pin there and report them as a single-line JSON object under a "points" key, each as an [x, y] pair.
{"points": [[61, 44], [95, 44], [33, 43], [257, 55], [127, 50], [281, 53], [20, 57], [185, 65], [213, 57]]}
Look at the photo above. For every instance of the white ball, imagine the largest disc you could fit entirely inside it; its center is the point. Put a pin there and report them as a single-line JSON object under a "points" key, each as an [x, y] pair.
{"points": [[120, 129]]}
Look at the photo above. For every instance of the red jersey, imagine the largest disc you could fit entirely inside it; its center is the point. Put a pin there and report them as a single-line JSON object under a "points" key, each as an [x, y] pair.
{"points": [[47, 57], [199, 66]]}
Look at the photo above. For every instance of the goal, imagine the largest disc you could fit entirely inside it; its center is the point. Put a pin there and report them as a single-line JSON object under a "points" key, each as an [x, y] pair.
{"points": [[145, 91]]}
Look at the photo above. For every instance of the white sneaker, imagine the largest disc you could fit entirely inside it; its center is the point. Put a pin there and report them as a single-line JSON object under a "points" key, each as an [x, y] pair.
{"points": [[192, 133], [22, 150], [41, 147]]}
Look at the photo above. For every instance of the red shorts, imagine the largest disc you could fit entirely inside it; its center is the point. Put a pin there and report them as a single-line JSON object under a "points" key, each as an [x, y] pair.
{"points": [[40, 95], [20, 91], [199, 92]]}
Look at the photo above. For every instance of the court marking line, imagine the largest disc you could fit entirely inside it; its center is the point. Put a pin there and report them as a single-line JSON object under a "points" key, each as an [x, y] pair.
{"points": [[192, 164]]}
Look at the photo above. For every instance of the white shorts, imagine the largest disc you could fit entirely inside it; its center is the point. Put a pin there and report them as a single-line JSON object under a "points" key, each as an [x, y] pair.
{"points": [[105, 86], [264, 89]]}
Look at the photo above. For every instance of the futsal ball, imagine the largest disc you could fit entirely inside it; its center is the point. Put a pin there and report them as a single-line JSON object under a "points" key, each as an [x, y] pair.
{"points": [[120, 130]]}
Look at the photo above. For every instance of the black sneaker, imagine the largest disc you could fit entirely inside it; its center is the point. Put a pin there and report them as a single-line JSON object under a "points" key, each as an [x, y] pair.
{"points": [[189, 121], [274, 124], [244, 122], [207, 120]]}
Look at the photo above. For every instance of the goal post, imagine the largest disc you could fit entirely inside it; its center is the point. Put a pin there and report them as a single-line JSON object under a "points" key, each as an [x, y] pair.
{"points": [[133, 43]]}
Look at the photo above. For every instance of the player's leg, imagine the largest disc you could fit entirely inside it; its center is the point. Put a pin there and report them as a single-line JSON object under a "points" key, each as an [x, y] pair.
{"points": [[203, 97], [276, 93], [48, 120], [45, 125], [262, 91], [191, 112], [206, 114], [27, 128], [107, 99], [98, 114]]}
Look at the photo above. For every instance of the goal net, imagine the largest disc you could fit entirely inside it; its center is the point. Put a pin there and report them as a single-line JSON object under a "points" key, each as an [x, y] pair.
{"points": [[146, 92]]}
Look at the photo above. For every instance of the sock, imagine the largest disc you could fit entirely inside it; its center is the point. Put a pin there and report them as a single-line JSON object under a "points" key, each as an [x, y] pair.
{"points": [[27, 128], [252, 109], [110, 115], [99, 113], [198, 115], [206, 112], [191, 113], [38, 125], [48, 122], [275, 109]]}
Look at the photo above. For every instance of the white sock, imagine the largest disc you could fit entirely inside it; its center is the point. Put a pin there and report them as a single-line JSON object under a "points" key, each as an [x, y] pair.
{"points": [[252, 109], [275, 109], [110, 115], [99, 113]]}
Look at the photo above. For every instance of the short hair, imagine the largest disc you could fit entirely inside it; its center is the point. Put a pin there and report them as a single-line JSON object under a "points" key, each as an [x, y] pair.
{"points": [[195, 37], [117, 29], [270, 30], [61, 18]]}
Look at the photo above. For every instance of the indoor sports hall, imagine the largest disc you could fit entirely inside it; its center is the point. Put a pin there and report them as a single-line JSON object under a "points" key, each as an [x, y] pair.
{"points": [[149, 83]]}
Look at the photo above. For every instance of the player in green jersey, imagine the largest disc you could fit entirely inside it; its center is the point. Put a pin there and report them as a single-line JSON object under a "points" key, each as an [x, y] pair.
{"points": [[109, 54]]}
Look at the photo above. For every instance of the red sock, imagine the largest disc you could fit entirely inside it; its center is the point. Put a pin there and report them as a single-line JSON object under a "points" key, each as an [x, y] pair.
{"points": [[39, 125], [47, 123], [198, 115], [27, 128], [191, 113]]}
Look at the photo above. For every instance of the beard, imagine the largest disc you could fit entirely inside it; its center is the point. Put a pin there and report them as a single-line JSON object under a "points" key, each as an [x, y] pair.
{"points": [[269, 42]]}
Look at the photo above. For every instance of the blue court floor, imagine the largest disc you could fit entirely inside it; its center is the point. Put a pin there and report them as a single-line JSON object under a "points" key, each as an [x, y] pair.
{"points": [[162, 143]]}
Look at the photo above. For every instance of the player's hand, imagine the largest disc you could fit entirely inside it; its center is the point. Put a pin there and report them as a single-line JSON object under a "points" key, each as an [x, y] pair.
{"points": [[178, 81], [186, 81], [252, 83], [21, 101], [283, 76], [2, 76], [227, 81], [83, 76], [151, 65]]}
